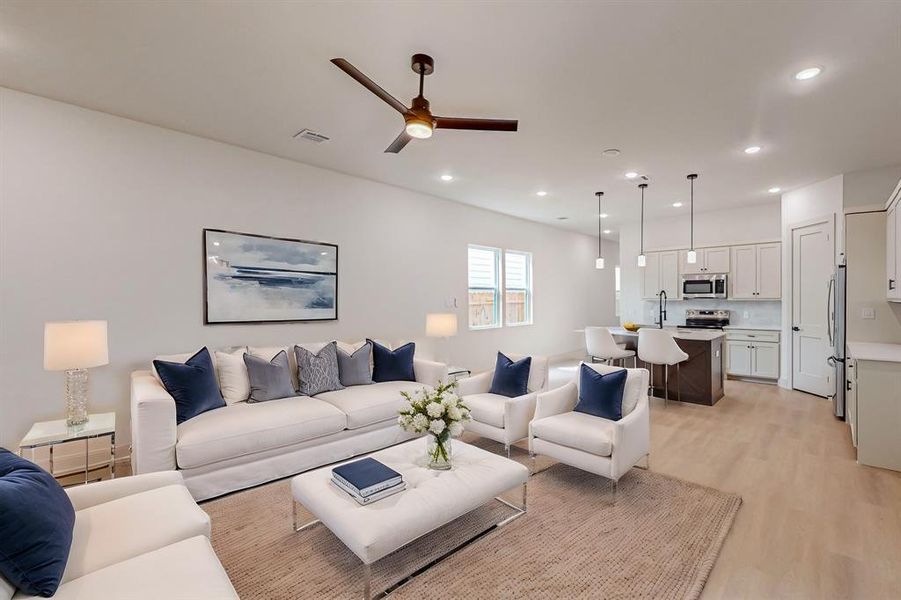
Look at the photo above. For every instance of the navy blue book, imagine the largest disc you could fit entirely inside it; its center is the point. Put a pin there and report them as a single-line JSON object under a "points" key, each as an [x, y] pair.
{"points": [[367, 476]]}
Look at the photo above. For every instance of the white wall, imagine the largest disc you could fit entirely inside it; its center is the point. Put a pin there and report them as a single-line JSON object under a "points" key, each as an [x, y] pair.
{"points": [[101, 218], [749, 224], [870, 187]]}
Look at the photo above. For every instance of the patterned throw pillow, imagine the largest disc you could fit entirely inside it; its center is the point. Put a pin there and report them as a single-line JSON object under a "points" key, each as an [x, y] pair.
{"points": [[318, 372]]}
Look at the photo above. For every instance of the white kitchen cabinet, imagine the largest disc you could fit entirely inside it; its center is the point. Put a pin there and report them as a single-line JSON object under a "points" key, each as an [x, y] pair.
{"points": [[893, 253], [851, 398], [710, 260], [873, 403], [661, 273], [756, 272], [752, 353]]}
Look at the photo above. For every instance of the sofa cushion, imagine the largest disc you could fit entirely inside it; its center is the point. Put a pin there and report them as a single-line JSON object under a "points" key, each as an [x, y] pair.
{"points": [[355, 367], [188, 569], [269, 379], [317, 372], [192, 384], [246, 428], [108, 533], [367, 404], [36, 520], [577, 430], [393, 365], [511, 379], [234, 382], [268, 352], [486, 408], [601, 394]]}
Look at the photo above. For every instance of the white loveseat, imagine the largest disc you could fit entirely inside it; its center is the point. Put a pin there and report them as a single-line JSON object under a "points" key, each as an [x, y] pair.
{"points": [[141, 538], [245, 444]]}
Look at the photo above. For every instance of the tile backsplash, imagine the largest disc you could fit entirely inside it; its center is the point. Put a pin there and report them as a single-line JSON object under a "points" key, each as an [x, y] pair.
{"points": [[751, 313]]}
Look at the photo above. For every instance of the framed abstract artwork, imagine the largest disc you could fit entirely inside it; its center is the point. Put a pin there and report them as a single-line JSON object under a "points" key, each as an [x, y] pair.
{"points": [[260, 279]]}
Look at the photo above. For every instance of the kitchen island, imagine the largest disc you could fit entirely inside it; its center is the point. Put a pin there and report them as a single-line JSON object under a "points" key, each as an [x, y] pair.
{"points": [[699, 379]]}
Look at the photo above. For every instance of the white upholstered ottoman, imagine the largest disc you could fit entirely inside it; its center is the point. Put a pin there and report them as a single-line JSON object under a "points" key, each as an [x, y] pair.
{"points": [[432, 499]]}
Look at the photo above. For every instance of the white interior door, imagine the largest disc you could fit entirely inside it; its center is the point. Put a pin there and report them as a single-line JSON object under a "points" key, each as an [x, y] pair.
{"points": [[813, 260]]}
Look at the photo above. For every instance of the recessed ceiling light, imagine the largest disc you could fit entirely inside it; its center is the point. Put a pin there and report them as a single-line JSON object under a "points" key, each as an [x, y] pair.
{"points": [[323, 253], [541, 193], [447, 177], [562, 218], [215, 243], [808, 73], [611, 152], [603, 215], [752, 149], [631, 175], [607, 231], [774, 190], [677, 205]]}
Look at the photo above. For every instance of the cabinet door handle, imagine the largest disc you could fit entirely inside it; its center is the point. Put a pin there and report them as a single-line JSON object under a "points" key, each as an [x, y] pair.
{"points": [[796, 328], [891, 284]]}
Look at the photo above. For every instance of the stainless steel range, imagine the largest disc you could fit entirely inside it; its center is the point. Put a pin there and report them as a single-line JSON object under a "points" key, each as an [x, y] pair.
{"points": [[706, 319]]}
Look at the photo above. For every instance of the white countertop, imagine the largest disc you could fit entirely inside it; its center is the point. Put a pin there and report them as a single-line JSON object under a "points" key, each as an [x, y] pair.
{"points": [[755, 327], [704, 335], [874, 351]]}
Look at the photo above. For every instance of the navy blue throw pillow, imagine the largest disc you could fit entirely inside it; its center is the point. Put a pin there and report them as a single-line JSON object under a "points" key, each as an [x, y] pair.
{"points": [[511, 379], [601, 395], [392, 365], [192, 384], [36, 521]]}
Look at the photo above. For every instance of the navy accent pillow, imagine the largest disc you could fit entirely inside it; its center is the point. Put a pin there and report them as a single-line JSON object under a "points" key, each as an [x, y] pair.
{"points": [[192, 384], [392, 365], [36, 521], [511, 379], [601, 395]]}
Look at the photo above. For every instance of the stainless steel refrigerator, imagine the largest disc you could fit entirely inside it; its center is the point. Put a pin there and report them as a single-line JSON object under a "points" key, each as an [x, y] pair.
{"points": [[837, 294]]}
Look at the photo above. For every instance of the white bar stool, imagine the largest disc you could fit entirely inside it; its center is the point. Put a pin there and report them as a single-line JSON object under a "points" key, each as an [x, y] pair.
{"points": [[601, 345], [657, 347]]}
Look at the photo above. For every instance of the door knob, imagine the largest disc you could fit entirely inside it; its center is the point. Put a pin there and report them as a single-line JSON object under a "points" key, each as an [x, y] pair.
{"points": [[795, 328]]}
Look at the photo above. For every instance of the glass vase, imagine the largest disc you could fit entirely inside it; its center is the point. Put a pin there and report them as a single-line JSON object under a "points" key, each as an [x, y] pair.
{"points": [[439, 452]]}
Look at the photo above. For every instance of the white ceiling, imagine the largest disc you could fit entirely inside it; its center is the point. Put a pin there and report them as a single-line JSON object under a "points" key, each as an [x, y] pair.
{"points": [[678, 87]]}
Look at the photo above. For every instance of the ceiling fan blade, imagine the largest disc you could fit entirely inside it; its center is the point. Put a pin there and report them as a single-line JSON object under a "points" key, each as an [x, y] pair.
{"points": [[370, 84], [399, 142], [476, 124]]}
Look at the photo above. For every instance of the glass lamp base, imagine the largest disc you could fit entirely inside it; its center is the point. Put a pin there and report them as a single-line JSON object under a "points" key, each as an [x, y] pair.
{"points": [[76, 396]]}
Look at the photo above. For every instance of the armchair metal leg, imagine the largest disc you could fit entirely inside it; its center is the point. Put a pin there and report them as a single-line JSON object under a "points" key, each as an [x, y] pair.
{"points": [[507, 450], [614, 492], [367, 582]]}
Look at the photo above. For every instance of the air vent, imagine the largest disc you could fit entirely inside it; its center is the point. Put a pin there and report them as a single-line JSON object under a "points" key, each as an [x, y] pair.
{"points": [[310, 136]]}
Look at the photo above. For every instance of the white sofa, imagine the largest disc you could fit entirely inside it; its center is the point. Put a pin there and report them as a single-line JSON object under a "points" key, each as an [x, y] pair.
{"points": [[496, 417], [245, 444], [599, 446], [141, 538]]}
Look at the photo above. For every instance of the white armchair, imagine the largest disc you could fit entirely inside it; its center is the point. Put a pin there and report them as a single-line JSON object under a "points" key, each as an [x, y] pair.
{"points": [[502, 419], [593, 444]]}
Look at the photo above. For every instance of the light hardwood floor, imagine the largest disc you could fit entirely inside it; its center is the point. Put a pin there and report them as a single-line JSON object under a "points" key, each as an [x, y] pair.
{"points": [[813, 523]]}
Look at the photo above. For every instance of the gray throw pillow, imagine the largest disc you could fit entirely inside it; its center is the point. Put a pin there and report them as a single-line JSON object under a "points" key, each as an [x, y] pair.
{"points": [[318, 372], [269, 379], [353, 369]]}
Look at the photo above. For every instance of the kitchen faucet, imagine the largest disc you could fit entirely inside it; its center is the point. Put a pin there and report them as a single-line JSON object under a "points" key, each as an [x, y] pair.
{"points": [[661, 308]]}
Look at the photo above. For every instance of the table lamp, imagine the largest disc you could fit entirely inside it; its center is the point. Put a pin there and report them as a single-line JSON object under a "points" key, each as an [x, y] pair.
{"points": [[441, 325], [74, 347]]}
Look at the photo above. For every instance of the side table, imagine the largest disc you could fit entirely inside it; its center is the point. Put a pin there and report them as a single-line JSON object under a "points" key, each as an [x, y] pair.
{"points": [[53, 433]]}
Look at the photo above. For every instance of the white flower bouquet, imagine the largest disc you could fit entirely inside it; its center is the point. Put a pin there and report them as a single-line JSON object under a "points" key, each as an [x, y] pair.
{"points": [[438, 412]]}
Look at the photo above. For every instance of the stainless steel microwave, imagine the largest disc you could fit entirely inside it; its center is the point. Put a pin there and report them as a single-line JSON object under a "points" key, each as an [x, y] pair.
{"points": [[704, 286]]}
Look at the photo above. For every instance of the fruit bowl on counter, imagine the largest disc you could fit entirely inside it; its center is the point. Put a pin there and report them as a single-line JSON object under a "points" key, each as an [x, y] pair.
{"points": [[630, 326]]}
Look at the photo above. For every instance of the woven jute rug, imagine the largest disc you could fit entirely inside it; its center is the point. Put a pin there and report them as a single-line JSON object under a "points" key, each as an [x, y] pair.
{"points": [[659, 539]]}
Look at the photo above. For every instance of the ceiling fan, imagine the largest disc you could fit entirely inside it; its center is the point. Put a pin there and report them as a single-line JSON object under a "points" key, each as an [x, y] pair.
{"points": [[418, 119]]}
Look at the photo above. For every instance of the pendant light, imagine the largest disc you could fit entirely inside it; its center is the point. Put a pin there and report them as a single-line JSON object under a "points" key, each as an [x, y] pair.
{"points": [[692, 256], [599, 263], [642, 260]]}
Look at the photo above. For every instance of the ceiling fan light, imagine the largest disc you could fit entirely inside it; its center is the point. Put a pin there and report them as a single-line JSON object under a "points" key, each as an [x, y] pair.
{"points": [[599, 263], [691, 257], [642, 260], [418, 129]]}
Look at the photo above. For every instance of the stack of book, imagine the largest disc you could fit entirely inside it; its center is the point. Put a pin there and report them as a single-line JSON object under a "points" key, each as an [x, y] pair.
{"points": [[368, 480]]}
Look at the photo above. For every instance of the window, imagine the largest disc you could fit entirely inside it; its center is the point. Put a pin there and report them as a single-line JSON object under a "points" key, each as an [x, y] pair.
{"points": [[517, 287], [617, 274], [484, 287]]}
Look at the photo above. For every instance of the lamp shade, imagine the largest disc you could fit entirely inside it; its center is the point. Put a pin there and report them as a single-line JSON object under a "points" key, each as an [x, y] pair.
{"points": [[75, 345], [441, 324]]}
